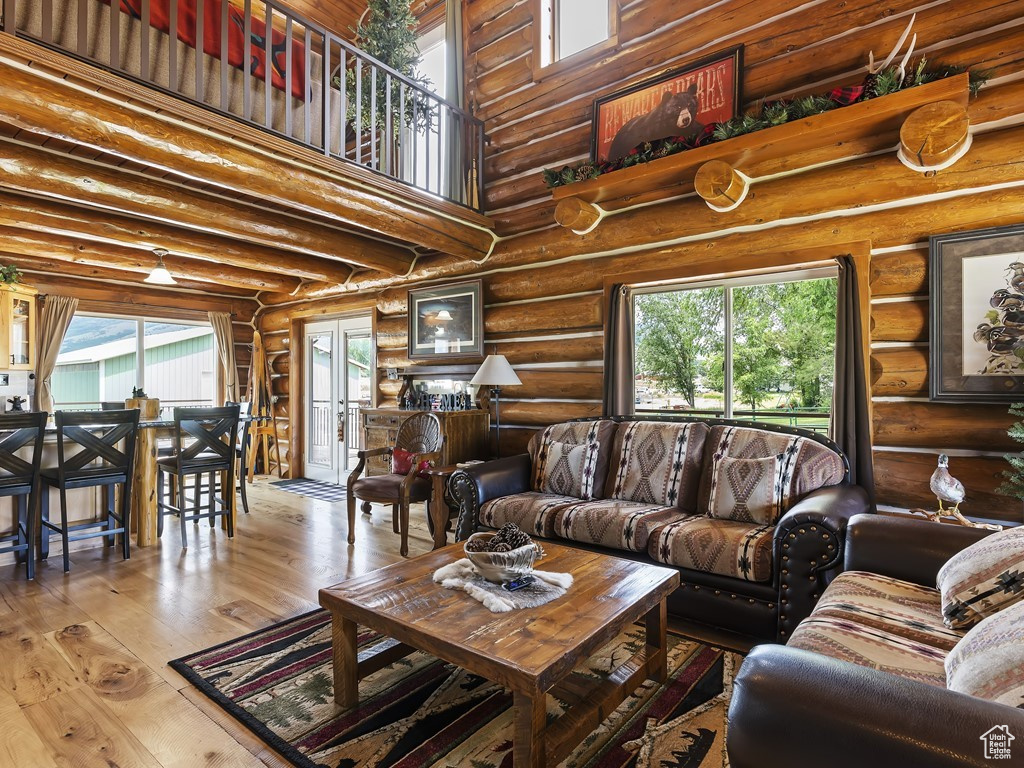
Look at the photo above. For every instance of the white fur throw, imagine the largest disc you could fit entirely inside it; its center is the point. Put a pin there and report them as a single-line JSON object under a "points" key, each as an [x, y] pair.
{"points": [[462, 575]]}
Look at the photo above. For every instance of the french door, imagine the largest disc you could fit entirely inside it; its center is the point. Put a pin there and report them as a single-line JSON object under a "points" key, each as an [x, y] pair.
{"points": [[338, 380]]}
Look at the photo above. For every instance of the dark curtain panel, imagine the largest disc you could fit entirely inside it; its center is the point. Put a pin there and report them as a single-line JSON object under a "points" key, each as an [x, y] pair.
{"points": [[618, 354], [851, 423]]}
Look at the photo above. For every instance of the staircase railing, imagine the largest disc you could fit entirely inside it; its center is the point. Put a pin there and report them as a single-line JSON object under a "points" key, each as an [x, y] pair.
{"points": [[281, 73]]}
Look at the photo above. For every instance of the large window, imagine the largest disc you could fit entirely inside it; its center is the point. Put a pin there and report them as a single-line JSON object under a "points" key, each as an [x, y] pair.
{"points": [[760, 348], [570, 26], [103, 358]]}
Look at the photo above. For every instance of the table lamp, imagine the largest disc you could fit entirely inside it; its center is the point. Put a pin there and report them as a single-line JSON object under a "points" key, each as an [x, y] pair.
{"points": [[496, 373]]}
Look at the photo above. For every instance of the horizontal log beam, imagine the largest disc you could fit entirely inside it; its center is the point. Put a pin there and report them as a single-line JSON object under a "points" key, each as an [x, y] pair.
{"points": [[112, 298], [131, 261], [899, 372], [571, 314], [685, 232], [942, 425], [58, 176], [903, 273], [56, 108], [539, 413], [59, 218], [55, 268], [899, 321]]}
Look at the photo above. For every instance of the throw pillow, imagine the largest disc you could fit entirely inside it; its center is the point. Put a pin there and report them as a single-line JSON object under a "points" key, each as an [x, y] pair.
{"points": [[748, 490], [401, 462], [569, 469], [983, 579], [989, 661]]}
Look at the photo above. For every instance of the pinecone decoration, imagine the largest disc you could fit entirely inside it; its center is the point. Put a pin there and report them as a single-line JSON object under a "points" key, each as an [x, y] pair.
{"points": [[478, 545], [512, 535], [501, 546]]}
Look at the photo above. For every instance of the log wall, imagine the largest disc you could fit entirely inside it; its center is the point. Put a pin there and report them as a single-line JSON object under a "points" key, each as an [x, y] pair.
{"points": [[544, 285]]}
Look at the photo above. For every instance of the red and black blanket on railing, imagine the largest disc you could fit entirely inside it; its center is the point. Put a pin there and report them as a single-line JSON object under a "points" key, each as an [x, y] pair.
{"points": [[251, 56]]}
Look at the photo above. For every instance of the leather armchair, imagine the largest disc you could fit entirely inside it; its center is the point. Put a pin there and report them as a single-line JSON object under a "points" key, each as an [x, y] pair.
{"points": [[793, 707]]}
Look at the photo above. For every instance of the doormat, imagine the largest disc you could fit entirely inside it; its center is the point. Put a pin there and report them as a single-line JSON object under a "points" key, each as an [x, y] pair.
{"points": [[421, 712], [312, 488]]}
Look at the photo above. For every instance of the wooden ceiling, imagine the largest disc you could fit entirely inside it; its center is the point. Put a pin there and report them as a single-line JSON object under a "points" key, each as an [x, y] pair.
{"points": [[90, 189]]}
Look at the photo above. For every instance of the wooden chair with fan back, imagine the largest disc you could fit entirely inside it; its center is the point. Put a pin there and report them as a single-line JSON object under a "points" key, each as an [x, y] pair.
{"points": [[418, 442]]}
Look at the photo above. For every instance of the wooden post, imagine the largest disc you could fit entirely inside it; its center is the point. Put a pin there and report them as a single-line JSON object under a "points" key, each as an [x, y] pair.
{"points": [[144, 501], [720, 185], [935, 136]]}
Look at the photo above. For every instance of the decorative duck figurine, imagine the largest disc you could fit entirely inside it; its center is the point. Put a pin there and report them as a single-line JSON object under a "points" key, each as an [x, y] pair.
{"points": [[950, 490], [946, 487]]}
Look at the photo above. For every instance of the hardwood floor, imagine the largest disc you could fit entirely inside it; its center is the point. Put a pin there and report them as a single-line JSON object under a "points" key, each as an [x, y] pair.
{"points": [[84, 679]]}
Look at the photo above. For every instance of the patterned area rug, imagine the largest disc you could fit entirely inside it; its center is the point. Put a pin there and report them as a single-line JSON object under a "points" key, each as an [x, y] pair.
{"points": [[312, 488], [420, 712]]}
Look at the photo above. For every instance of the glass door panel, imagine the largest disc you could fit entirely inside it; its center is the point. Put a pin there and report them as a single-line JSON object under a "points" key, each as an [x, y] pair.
{"points": [[21, 312], [320, 418], [339, 381]]}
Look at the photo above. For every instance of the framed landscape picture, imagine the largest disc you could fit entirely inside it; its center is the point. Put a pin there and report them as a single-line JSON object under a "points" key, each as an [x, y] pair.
{"points": [[977, 315], [446, 321], [678, 103]]}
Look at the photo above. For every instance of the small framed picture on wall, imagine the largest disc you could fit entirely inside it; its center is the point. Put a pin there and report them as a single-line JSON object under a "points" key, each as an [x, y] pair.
{"points": [[977, 315], [446, 321]]}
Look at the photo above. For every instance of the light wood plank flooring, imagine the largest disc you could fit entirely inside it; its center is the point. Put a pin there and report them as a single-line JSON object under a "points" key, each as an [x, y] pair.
{"points": [[84, 679]]}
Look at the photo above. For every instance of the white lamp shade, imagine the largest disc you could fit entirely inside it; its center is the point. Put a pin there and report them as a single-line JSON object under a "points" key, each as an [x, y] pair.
{"points": [[495, 372], [160, 276]]}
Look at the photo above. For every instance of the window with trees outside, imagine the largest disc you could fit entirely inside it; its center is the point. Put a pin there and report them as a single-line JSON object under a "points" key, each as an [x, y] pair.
{"points": [[570, 26], [102, 358], [759, 348]]}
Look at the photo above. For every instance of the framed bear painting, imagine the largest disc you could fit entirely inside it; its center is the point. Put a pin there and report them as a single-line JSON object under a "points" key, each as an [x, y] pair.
{"points": [[680, 103]]}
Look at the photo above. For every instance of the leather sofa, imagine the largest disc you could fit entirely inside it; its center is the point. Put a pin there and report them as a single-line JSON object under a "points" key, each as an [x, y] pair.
{"points": [[654, 480], [805, 706]]}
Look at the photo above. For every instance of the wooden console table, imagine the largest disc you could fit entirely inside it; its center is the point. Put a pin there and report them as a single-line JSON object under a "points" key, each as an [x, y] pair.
{"points": [[465, 434]]}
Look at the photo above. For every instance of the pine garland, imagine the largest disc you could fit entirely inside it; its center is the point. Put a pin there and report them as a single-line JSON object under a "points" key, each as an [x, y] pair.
{"points": [[768, 115], [1013, 478]]}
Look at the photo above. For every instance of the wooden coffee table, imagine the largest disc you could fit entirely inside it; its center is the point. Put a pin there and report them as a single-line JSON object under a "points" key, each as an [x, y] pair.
{"points": [[528, 651]]}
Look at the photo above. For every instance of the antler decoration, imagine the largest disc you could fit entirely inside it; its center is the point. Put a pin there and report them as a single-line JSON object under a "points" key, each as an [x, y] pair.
{"points": [[874, 70]]}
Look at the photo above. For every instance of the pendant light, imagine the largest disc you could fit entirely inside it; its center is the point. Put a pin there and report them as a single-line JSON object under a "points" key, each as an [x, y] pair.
{"points": [[160, 275]]}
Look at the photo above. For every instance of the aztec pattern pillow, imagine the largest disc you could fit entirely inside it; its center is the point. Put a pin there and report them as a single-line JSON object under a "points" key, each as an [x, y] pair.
{"points": [[656, 462], [983, 579], [989, 661], [749, 490], [807, 464], [568, 469], [600, 431]]}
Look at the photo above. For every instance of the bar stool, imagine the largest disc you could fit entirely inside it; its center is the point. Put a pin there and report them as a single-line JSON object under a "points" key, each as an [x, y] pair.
{"points": [[20, 477], [212, 451], [88, 457]]}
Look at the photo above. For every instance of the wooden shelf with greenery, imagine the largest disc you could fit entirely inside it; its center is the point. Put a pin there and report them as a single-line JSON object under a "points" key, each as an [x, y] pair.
{"points": [[865, 127]]}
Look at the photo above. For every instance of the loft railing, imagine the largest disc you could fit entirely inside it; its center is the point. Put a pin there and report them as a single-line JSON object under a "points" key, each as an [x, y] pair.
{"points": [[318, 90]]}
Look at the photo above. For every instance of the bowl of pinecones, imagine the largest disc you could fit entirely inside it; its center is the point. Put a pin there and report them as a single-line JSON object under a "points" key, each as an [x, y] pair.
{"points": [[503, 556]]}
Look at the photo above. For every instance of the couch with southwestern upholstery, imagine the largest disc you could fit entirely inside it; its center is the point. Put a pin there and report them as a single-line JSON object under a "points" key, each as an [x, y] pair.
{"points": [[913, 657], [752, 515]]}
